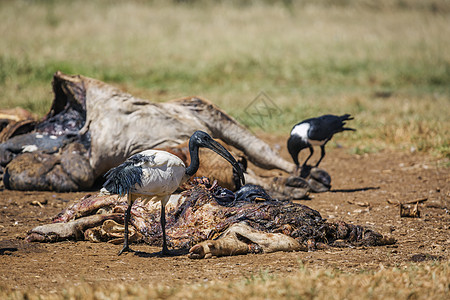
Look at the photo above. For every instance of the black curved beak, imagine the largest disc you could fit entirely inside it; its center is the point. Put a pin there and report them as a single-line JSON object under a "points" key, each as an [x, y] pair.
{"points": [[219, 149]]}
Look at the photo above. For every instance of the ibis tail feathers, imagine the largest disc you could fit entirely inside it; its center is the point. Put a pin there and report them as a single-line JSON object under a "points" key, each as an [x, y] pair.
{"points": [[121, 179]]}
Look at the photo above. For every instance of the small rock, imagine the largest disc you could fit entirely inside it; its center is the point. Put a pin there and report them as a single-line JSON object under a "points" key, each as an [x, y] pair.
{"points": [[423, 257]]}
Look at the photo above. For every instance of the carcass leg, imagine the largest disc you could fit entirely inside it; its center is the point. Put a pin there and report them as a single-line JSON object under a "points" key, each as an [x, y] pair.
{"points": [[242, 239]]}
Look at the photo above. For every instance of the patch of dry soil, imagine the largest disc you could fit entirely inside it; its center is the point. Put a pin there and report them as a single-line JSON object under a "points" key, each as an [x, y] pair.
{"points": [[364, 191]]}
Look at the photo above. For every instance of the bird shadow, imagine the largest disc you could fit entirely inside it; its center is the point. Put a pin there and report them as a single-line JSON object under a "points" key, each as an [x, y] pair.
{"points": [[355, 190], [8, 250], [173, 252]]}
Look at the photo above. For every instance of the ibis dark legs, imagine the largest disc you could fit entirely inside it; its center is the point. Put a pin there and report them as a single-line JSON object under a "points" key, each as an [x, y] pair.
{"points": [[126, 247], [304, 171], [165, 249], [311, 152], [322, 151], [322, 154]]}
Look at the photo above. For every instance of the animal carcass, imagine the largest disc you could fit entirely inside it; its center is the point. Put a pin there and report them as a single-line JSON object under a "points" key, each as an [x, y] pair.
{"points": [[211, 221], [92, 127]]}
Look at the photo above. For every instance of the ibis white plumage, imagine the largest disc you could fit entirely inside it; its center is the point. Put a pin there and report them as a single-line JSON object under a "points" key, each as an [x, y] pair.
{"points": [[155, 175], [315, 132]]}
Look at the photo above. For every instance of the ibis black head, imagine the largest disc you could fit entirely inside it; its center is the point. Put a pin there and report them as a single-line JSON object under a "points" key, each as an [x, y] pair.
{"points": [[202, 139]]}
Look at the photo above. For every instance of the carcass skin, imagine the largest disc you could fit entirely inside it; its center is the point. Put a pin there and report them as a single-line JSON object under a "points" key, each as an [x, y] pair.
{"points": [[73, 229], [243, 239], [112, 125], [210, 221], [86, 206]]}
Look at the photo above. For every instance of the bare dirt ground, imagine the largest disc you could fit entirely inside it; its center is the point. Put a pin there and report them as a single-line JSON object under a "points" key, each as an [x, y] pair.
{"points": [[365, 190]]}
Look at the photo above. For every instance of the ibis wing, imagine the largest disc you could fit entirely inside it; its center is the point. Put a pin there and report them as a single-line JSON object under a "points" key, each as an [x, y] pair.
{"points": [[150, 172], [121, 179], [161, 179]]}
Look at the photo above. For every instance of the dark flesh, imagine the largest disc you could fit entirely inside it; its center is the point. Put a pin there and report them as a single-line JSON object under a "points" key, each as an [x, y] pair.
{"points": [[208, 210]]}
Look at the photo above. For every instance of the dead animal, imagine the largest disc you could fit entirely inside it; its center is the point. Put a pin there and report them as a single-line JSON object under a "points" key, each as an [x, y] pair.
{"points": [[73, 229], [91, 128], [213, 221], [155, 175]]}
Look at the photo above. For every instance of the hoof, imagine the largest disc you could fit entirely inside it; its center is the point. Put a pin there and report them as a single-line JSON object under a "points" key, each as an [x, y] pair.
{"points": [[296, 182], [318, 187], [321, 176], [297, 193], [319, 180], [292, 187], [200, 251]]}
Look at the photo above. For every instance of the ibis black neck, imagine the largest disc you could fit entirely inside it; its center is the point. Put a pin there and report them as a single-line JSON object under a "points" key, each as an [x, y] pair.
{"points": [[195, 161]]}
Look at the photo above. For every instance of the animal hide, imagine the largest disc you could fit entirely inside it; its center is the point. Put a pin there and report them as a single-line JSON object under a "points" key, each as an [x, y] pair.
{"points": [[211, 221], [107, 126]]}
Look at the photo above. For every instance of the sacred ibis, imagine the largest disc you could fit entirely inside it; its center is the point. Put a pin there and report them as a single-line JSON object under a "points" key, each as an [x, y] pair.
{"points": [[155, 175], [315, 131]]}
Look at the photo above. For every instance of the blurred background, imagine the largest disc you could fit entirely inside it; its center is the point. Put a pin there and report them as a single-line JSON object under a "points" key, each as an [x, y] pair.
{"points": [[385, 62]]}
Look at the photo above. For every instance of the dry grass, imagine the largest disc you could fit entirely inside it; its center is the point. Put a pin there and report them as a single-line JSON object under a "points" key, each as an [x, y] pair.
{"points": [[385, 62], [419, 281]]}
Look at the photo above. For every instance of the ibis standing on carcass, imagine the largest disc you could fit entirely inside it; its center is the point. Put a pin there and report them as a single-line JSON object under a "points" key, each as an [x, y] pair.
{"points": [[315, 131], [155, 175]]}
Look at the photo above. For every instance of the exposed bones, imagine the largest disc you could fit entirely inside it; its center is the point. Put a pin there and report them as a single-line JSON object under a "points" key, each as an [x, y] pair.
{"points": [[210, 221]]}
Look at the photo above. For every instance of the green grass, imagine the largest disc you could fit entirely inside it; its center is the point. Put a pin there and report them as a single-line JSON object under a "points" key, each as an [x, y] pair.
{"points": [[327, 57]]}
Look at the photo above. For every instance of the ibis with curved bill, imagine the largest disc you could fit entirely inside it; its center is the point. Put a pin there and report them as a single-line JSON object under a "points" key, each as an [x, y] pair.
{"points": [[155, 175]]}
